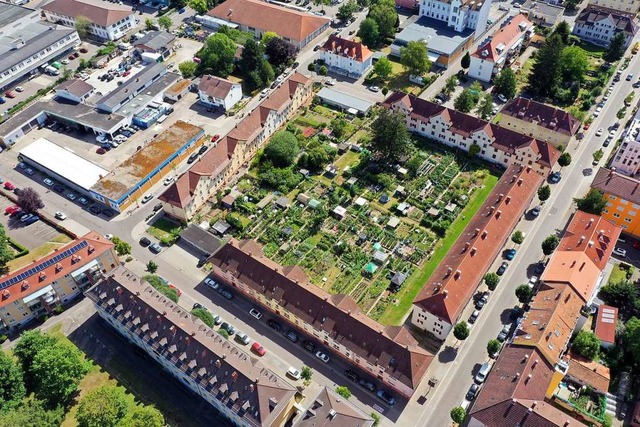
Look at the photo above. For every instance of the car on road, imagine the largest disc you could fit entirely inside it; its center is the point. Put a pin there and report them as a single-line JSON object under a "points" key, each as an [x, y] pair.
{"points": [[71, 196], [597, 112], [215, 137], [59, 215], [225, 293], [258, 349], [309, 346], [274, 325], [203, 150], [374, 88], [291, 336], [620, 252], [264, 93], [607, 141], [473, 392], [198, 305], [482, 301], [536, 211], [474, 316], [555, 177], [9, 186], [243, 338], [599, 132], [168, 181], [155, 248], [228, 327], [316, 48], [629, 77], [48, 182], [192, 158], [147, 197], [157, 207], [293, 373], [533, 281], [144, 242], [322, 356], [255, 313], [386, 397], [367, 384], [510, 254], [19, 89], [539, 268], [211, 283], [502, 268], [352, 375], [83, 201], [16, 212], [25, 217], [9, 94], [482, 373], [504, 333]]}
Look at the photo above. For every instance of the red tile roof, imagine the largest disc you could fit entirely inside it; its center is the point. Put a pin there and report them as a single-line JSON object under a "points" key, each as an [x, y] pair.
{"points": [[344, 47], [522, 413], [612, 182], [541, 114], [453, 282], [606, 322], [98, 12], [216, 87], [590, 373], [388, 346], [504, 39]]}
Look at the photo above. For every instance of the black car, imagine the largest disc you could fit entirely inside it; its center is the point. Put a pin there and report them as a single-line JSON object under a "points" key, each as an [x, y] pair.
{"points": [[107, 212], [473, 392], [157, 207], [94, 210], [351, 374], [198, 305], [309, 346], [225, 293], [367, 384], [58, 188], [539, 268], [502, 268], [274, 325], [202, 149], [17, 191], [192, 158], [201, 262], [228, 327], [481, 302], [145, 242]]}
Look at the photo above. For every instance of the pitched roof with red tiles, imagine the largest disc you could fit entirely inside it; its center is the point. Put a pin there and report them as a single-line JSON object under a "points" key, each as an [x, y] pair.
{"points": [[216, 87], [543, 115], [590, 373], [455, 279], [344, 47], [390, 347], [504, 39], [44, 271], [522, 413], [285, 22], [606, 322], [328, 409], [98, 12], [612, 182]]}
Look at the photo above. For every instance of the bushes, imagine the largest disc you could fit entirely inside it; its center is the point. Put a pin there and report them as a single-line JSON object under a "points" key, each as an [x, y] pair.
{"points": [[162, 286]]}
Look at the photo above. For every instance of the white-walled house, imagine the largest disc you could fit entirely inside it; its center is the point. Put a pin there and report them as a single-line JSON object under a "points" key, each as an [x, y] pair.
{"points": [[74, 90], [599, 25], [216, 92], [347, 57], [458, 14]]}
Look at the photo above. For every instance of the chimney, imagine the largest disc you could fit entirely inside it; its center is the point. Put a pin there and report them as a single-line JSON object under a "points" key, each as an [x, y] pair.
{"points": [[534, 404], [445, 292], [458, 274], [535, 362], [484, 234], [581, 240], [498, 214], [528, 378], [590, 222]]}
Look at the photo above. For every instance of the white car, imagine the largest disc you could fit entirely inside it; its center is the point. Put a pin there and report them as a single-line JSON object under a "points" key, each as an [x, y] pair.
{"points": [[533, 280], [168, 181], [612, 132], [620, 252], [48, 182], [293, 373], [109, 236], [120, 138], [599, 132], [60, 216], [597, 112], [374, 88], [147, 197], [211, 283], [255, 313], [502, 98], [330, 82], [264, 93], [320, 355], [19, 89]]}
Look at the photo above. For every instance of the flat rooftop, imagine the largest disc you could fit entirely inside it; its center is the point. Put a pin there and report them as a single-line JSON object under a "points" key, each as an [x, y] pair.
{"points": [[132, 85], [347, 100], [144, 98], [10, 13], [64, 162], [138, 167], [436, 34]]}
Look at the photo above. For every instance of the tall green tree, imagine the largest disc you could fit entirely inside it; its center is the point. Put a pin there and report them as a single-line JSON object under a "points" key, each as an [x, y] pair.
{"points": [[546, 71], [465, 62], [148, 24], [505, 83], [461, 331], [383, 68], [282, 149], [564, 159], [339, 126], [624, 295], [102, 407], [83, 25], [616, 48], [280, 51], [593, 202], [30, 344], [12, 389], [121, 247], [32, 413], [385, 14], [6, 252], [517, 237], [390, 137], [544, 193], [200, 6], [252, 57], [586, 344], [571, 5], [485, 106], [414, 58], [450, 85], [563, 29], [165, 22], [187, 69], [458, 414], [550, 244], [143, 416], [631, 338], [574, 63], [465, 101], [267, 37], [524, 294], [491, 280], [347, 10], [218, 55], [369, 32], [493, 346]]}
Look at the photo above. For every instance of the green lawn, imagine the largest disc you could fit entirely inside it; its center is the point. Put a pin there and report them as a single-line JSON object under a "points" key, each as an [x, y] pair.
{"points": [[618, 274], [395, 314], [162, 228], [349, 158]]}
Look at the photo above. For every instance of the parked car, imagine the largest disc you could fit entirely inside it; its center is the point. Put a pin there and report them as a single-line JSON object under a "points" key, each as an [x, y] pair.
{"points": [[202, 149], [258, 349], [502, 268], [11, 209], [504, 333], [473, 392], [386, 397], [322, 356], [482, 301], [9, 186], [556, 177], [536, 211], [474, 316], [48, 182], [374, 88], [155, 248], [215, 137], [71, 196], [19, 89], [61, 216], [255, 313], [243, 338], [293, 373], [168, 180], [228, 327], [225, 293], [144, 242], [352, 375], [178, 291], [32, 219], [147, 197], [291, 336], [211, 283], [309, 346], [620, 252], [510, 254], [482, 373], [9, 94], [367, 384], [192, 158], [274, 325], [599, 132], [157, 207]]}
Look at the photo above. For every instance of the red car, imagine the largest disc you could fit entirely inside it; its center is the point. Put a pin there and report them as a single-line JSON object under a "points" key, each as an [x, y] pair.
{"points": [[71, 57], [177, 290], [636, 244], [215, 138], [101, 150], [9, 94], [11, 209], [586, 126], [9, 186], [258, 349], [126, 73]]}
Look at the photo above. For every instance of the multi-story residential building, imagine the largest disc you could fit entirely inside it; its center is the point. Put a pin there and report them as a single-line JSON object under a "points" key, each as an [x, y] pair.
{"points": [[27, 44], [389, 353], [497, 144], [503, 45], [458, 14], [216, 92], [599, 25], [347, 57], [184, 197], [109, 21], [623, 199], [546, 14], [628, 6], [443, 297], [627, 158], [546, 123], [237, 385], [328, 409], [54, 280]]}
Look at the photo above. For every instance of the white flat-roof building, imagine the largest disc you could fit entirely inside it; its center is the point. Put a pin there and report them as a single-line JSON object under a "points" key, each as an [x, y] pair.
{"points": [[458, 14]]}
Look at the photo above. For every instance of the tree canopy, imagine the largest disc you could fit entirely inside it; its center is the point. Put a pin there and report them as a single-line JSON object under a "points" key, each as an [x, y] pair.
{"points": [[414, 58], [165, 22], [458, 414], [30, 343], [624, 295], [383, 68], [200, 6], [466, 61], [347, 10], [390, 137], [616, 48], [544, 192], [282, 149], [369, 32], [82, 24], [12, 389], [593, 202], [102, 407], [218, 55], [121, 247], [493, 346], [564, 159], [485, 106], [187, 69], [545, 74], [574, 63], [32, 413], [384, 13], [524, 293], [586, 344], [6, 253], [465, 101], [30, 201], [517, 237], [450, 85], [631, 338], [491, 280], [505, 83], [143, 416], [550, 244], [280, 52], [461, 331]]}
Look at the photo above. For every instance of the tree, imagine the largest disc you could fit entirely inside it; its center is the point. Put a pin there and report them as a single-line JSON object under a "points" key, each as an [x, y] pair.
{"points": [[383, 68], [616, 48], [204, 315], [187, 69], [30, 344], [586, 344], [594, 202], [376, 419], [152, 267], [343, 391], [550, 244], [571, 5], [465, 101], [339, 126], [121, 247], [6, 253], [32, 413], [390, 137], [544, 193], [323, 71], [458, 414], [524, 293], [369, 32], [474, 150], [200, 6], [485, 106], [252, 56], [465, 61], [597, 155], [546, 72], [564, 159], [224, 333], [517, 237], [624, 295], [347, 10], [461, 331], [12, 389], [148, 24], [574, 63], [282, 150], [493, 346], [306, 373], [218, 55], [414, 58], [450, 85], [505, 83], [384, 13], [165, 22], [280, 51], [491, 280], [29, 200], [267, 37], [631, 338], [143, 416], [563, 30], [102, 407], [83, 24]]}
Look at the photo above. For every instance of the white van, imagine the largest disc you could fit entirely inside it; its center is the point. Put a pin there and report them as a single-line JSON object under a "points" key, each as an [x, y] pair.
{"points": [[482, 373]]}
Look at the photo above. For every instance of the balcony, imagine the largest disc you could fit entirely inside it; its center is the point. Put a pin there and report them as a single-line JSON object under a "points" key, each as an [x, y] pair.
{"points": [[581, 401]]}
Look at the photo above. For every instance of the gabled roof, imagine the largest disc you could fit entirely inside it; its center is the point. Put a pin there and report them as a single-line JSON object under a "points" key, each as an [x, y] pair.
{"points": [[590, 373], [75, 87], [617, 184], [606, 322], [390, 347], [155, 40], [522, 413], [285, 22], [328, 409], [455, 279], [541, 114], [216, 87], [620, 20], [504, 39], [98, 12], [349, 48]]}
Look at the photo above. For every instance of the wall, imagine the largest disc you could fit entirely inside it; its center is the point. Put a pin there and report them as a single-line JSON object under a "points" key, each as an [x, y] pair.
{"points": [[424, 320], [623, 213], [541, 133]]}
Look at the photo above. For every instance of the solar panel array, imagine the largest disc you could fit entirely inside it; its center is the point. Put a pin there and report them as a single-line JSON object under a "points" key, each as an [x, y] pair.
{"points": [[38, 268]]}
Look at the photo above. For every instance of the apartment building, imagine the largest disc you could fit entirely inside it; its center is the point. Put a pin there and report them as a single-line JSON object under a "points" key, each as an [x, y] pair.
{"points": [[628, 6], [216, 92], [546, 123], [328, 408], [458, 14], [192, 189], [234, 383], [545, 14], [502, 47], [389, 353], [627, 158], [623, 199], [54, 280], [109, 21], [346, 57], [26, 44], [599, 25], [443, 297], [497, 144]]}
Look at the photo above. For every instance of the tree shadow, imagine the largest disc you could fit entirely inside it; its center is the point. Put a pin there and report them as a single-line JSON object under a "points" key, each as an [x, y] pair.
{"points": [[448, 354]]}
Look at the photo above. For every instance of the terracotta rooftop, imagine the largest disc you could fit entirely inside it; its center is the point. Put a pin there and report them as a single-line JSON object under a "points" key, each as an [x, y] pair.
{"points": [[391, 347], [349, 48], [98, 12], [606, 322], [46, 270], [216, 87], [504, 39], [453, 282], [522, 413], [285, 22], [621, 21], [328, 409], [612, 182], [248, 389], [589, 373], [542, 115], [550, 321]]}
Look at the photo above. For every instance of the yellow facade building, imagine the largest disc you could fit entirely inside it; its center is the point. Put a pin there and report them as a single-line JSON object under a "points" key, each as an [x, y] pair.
{"points": [[623, 199]]}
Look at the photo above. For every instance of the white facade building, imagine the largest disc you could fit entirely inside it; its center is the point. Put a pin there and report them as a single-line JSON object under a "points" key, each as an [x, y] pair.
{"points": [[599, 25], [629, 6], [627, 159], [216, 92], [346, 57], [458, 14]]}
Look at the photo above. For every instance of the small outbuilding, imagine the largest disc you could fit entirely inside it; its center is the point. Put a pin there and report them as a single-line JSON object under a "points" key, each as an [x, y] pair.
{"points": [[393, 222], [451, 207], [303, 198], [398, 280], [403, 208], [314, 203], [434, 212], [305, 173], [339, 212], [221, 227], [331, 170], [352, 181], [400, 191], [228, 201], [380, 257], [361, 202], [282, 202]]}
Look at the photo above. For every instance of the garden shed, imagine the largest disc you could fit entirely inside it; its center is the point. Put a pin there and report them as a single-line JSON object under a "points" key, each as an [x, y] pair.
{"points": [[370, 268], [221, 227], [361, 201], [343, 147], [339, 212], [451, 207], [397, 280], [305, 173], [402, 172], [403, 208], [228, 200], [282, 202], [265, 201], [394, 222], [331, 170], [303, 198], [380, 257], [434, 212], [384, 198], [351, 181], [314, 204], [362, 237], [400, 191]]}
